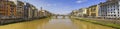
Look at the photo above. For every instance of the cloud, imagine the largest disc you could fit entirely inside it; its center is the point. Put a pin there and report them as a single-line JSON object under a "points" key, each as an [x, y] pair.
{"points": [[50, 5], [80, 1]]}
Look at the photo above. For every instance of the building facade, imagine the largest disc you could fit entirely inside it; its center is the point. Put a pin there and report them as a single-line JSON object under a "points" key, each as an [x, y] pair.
{"points": [[7, 9], [30, 11], [43, 13], [92, 11], [110, 9], [34, 11], [75, 13], [20, 9], [83, 12], [27, 11]]}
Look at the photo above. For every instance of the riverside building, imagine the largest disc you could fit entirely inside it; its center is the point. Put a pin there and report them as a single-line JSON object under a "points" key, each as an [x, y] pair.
{"points": [[110, 9], [7, 9], [93, 10]]}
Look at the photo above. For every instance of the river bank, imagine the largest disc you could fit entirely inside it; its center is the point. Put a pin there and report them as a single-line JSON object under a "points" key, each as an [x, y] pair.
{"points": [[117, 26], [11, 21]]}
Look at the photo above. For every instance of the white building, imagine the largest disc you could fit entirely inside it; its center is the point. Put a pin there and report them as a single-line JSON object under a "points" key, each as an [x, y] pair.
{"points": [[74, 13], [110, 9], [82, 12]]}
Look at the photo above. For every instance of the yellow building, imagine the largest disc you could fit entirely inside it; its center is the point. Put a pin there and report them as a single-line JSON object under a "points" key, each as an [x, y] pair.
{"points": [[92, 11], [87, 11]]}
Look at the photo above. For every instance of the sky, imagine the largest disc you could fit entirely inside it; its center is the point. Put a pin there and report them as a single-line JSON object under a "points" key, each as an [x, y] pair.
{"points": [[62, 6]]}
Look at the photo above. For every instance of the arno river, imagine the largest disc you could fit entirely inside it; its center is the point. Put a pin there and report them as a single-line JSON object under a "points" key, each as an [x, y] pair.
{"points": [[54, 23]]}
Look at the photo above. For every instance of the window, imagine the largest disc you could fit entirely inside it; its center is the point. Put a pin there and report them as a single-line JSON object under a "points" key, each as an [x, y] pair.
{"points": [[118, 12], [108, 15], [108, 7], [114, 15], [111, 9], [111, 15], [114, 6]]}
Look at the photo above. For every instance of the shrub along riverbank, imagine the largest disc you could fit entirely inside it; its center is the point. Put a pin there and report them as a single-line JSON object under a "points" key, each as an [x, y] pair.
{"points": [[11, 21], [117, 26]]}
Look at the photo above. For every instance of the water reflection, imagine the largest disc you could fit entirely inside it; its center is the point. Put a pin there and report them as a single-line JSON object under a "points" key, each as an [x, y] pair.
{"points": [[54, 23], [26, 25]]}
